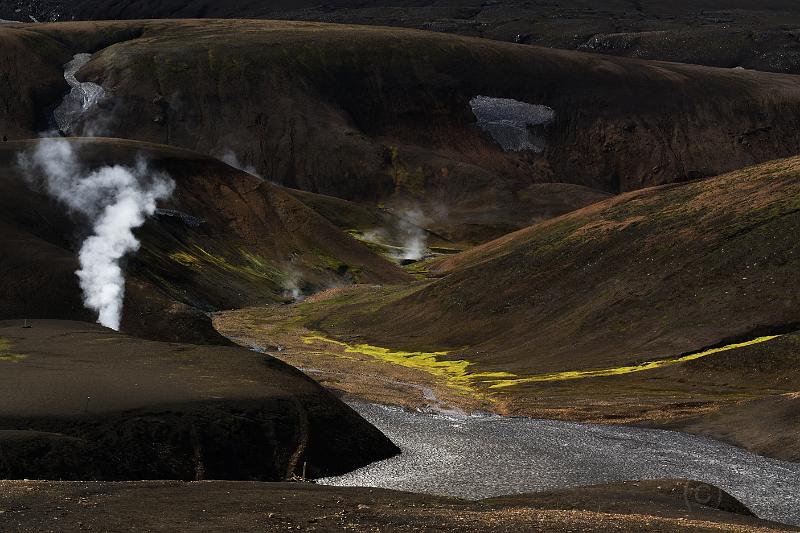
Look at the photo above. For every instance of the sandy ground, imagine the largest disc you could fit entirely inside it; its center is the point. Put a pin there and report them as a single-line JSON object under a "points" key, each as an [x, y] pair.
{"points": [[160, 506]]}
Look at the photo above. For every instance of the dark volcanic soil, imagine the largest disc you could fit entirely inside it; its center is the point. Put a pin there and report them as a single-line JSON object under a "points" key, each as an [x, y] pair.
{"points": [[367, 122], [757, 34], [220, 507], [767, 426], [383, 115], [79, 401], [651, 274]]}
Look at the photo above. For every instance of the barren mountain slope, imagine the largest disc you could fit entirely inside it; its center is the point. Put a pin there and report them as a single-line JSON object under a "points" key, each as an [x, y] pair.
{"points": [[384, 116]]}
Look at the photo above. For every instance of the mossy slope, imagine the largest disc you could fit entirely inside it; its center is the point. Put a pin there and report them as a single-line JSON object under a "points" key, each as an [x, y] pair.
{"points": [[645, 276]]}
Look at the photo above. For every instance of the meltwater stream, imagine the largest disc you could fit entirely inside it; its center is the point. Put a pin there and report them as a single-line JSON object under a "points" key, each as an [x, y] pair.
{"points": [[482, 456]]}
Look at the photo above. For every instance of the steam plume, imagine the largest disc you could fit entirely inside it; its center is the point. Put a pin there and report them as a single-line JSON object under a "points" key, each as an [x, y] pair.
{"points": [[406, 231], [291, 284], [414, 238], [229, 156], [116, 200]]}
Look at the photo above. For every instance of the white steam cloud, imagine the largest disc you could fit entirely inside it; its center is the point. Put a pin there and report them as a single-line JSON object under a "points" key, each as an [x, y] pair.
{"points": [[229, 156], [291, 284], [407, 232], [414, 237], [115, 199]]}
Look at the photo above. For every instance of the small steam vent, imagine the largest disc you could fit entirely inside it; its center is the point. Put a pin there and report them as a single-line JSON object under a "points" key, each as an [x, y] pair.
{"points": [[516, 126]]}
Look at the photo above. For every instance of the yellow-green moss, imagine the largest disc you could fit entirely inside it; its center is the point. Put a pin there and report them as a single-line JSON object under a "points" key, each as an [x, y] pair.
{"points": [[247, 264], [606, 372], [330, 263], [7, 355], [184, 259], [12, 357], [454, 372]]}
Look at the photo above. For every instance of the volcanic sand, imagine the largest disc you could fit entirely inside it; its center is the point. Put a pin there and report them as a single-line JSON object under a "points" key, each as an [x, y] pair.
{"points": [[221, 506]]}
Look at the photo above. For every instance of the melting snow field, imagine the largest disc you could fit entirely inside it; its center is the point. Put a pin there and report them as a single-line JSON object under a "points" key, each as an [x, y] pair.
{"points": [[482, 456], [81, 98], [510, 122]]}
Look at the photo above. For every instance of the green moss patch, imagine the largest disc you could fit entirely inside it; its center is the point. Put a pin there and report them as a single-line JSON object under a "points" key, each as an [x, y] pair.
{"points": [[7, 355]]}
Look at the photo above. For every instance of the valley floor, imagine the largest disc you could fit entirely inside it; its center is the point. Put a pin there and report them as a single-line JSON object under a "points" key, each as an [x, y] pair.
{"points": [[219, 506], [705, 392]]}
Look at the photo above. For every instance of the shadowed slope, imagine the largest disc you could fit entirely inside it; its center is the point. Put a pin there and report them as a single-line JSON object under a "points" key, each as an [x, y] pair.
{"points": [[383, 115], [674, 306], [758, 34], [649, 274], [83, 402], [167, 506], [224, 239]]}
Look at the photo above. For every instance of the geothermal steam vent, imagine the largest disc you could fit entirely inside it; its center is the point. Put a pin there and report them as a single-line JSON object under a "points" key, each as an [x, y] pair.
{"points": [[115, 199], [512, 123]]}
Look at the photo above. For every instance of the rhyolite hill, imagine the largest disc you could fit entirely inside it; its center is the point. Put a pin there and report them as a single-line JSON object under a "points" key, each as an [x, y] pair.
{"points": [[648, 275], [354, 119], [655, 272], [382, 115]]}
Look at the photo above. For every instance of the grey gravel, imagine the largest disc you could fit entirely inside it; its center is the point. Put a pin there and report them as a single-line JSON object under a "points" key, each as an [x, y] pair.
{"points": [[477, 457]]}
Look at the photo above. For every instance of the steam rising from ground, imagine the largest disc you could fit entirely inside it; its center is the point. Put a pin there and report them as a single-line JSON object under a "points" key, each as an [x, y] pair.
{"points": [[414, 237], [115, 199], [229, 156], [292, 279], [407, 231]]}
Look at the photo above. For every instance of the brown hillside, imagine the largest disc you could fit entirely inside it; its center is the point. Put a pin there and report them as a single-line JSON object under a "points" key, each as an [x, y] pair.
{"points": [[382, 114], [587, 316], [646, 275], [225, 239], [757, 34]]}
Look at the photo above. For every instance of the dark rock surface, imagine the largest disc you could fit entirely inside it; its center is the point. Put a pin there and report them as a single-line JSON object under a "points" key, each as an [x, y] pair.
{"points": [[159, 506], [82, 402]]}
